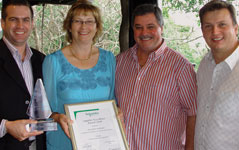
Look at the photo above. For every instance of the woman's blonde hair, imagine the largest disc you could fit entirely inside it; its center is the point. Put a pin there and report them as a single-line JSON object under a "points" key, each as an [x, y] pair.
{"points": [[84, 6]]}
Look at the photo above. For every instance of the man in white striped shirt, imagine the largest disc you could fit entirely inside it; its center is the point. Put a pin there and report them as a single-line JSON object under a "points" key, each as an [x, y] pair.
{"points": [[218, 80], [155, 87], [20, 66]]}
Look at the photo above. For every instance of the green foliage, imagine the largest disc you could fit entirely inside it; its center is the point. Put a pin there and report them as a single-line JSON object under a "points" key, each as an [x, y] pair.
{"points": [[185, 5], [48, 35], [180, 37], [184, 29], [111, 15], [165, 11]]}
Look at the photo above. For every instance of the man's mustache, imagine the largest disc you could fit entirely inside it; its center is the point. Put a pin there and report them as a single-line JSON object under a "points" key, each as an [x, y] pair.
{"points": [[143, 37]]}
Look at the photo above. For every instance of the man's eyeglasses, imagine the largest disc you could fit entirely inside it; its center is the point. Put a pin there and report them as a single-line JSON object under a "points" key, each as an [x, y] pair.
{"points": [[80, 22]]}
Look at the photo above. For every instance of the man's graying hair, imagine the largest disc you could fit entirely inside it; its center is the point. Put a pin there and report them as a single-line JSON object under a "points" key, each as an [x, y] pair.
{"points": [[146, 9]]}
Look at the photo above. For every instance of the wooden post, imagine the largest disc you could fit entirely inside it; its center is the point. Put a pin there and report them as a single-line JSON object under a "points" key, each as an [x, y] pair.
{"points": [[124, 27]]}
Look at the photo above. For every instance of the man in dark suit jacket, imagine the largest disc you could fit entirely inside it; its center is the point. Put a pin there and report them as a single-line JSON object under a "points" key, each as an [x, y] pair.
{"points": [[20, 67]]}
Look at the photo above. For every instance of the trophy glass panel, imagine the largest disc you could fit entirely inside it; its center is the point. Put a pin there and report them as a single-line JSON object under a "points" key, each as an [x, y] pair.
{"points": [[39, 109]]}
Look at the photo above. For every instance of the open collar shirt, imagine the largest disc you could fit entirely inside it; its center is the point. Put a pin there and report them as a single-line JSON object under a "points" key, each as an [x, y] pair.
{"points": [[155, 99], [25, 68], [218, 104]]}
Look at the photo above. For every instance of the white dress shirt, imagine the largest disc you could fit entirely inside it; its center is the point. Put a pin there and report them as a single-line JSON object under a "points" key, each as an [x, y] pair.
{"points": [[217, 124]]}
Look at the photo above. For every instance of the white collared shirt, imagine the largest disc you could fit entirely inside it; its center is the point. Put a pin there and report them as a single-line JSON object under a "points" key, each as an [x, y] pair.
{"points": [[218, 104]]}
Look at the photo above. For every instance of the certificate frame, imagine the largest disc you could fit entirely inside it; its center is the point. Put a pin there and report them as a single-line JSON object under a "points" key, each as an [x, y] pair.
{"points": [[85, 129]]}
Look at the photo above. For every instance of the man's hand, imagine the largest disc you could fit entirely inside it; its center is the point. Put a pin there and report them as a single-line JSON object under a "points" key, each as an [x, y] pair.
{"points": [[121, 118], [64, 122], [18, 129]]}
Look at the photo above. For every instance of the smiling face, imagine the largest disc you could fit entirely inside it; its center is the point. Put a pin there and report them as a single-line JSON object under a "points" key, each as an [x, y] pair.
{"points": [[83, 27], [18, 24], [219, 31], [147, 33]]}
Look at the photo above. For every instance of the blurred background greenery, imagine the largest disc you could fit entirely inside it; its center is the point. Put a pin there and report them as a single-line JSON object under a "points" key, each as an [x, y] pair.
{"points": [[181, 30]]}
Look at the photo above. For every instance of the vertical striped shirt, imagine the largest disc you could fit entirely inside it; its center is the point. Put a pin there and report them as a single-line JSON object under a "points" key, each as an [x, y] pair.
{"points": [[24, 66], [155, 99]]}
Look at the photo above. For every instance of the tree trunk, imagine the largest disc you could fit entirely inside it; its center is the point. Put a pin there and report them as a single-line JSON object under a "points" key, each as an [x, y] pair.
{"points": [[124, 27]]}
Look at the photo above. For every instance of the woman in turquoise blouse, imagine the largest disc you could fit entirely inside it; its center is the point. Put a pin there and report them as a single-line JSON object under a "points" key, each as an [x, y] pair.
{"points": [[79, 72]]}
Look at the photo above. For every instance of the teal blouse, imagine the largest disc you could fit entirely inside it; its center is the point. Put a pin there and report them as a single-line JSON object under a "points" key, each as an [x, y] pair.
{"points": [[67, 84]]}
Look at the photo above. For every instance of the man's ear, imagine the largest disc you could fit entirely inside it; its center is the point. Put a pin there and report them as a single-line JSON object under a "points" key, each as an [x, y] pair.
{"points": [[161, 30], [2, 23], [33, 23], [236, 29]]}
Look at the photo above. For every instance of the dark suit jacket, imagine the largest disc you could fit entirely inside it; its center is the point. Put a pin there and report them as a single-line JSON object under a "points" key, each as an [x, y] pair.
{"points": [[14, 96]]}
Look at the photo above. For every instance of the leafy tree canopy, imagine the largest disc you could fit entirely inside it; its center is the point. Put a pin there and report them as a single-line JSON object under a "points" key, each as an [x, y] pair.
{"points": [[186, 5]]}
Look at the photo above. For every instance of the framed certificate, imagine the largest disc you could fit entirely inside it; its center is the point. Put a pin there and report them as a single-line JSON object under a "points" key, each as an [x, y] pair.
{"points": [[96, 126]]}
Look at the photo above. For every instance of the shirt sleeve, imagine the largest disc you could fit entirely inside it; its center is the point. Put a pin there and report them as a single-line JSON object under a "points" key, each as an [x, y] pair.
{"points": [[3, 130], [49, 77], [188, 89]]}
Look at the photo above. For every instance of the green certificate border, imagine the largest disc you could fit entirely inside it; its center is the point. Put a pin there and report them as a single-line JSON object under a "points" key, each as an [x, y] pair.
{"points": [[68, 110]]}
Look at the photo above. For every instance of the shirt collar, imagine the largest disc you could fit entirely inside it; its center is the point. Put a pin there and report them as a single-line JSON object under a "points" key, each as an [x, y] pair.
{"points": [[14, 50], [155, 54], [233, 58], [160, 50], [230, 60]]}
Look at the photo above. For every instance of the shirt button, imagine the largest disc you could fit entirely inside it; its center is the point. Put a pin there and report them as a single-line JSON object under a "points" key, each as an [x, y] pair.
{"points": [[27, 102]]}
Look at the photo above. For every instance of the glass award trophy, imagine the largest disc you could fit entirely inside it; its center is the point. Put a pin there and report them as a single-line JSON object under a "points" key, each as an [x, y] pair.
{"points": [[39, 109]]}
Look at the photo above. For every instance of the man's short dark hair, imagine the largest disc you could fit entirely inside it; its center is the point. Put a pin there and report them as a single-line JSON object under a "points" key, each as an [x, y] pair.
{"points": [[6, 3], [146, 9], [217, 5]]}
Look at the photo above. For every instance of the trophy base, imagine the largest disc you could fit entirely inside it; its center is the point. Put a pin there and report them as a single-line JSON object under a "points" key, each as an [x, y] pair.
{"points": [[44, 125]]}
